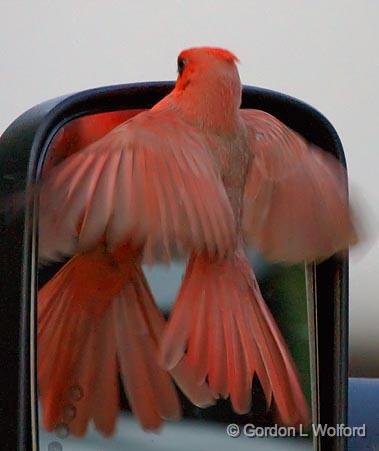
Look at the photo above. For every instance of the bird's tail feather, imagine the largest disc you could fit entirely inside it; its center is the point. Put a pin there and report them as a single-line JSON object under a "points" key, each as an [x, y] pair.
{"points": [[223, 326], [95, 316]]}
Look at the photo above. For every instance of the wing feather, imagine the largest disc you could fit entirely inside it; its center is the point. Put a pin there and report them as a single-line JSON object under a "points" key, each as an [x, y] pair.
{"points": [[296, 203], [150, 181]]}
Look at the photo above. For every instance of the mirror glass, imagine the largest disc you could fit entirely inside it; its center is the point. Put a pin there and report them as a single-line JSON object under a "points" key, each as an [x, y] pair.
{"points": [[63, 343]]}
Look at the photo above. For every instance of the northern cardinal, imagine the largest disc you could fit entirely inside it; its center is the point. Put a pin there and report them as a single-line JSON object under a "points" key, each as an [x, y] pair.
{"points": [[195, 175]]}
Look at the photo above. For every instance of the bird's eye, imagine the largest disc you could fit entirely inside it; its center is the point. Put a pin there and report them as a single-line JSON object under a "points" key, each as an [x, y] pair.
{"points": [[181, 64]]}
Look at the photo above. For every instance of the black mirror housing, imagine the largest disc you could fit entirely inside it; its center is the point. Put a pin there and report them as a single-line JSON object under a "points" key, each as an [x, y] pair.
{"points": [[23, 147]]}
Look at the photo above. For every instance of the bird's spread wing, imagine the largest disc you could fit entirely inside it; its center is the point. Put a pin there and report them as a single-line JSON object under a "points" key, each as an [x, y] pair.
{"points": [[150, 182], [296, 205]]}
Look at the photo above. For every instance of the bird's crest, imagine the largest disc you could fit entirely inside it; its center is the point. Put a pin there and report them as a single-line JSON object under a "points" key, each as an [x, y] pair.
{"points": [[216, 51]]}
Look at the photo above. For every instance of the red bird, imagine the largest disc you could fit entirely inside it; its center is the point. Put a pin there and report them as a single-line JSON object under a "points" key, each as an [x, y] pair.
{"points": [[195, 175]]}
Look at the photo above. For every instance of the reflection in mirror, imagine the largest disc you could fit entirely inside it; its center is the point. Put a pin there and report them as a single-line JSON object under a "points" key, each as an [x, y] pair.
{"points": [[101, 382]]}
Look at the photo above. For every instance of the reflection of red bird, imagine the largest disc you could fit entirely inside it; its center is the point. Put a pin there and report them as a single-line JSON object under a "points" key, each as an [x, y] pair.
{"points": [[81, 132], [173, 180]]}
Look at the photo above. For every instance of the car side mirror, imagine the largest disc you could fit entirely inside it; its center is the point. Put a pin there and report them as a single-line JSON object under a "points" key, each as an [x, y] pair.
{"points": [[25, 151]]}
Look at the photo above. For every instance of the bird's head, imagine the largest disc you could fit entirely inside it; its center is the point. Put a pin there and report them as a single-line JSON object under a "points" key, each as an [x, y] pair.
{"points": [[208, 78]]}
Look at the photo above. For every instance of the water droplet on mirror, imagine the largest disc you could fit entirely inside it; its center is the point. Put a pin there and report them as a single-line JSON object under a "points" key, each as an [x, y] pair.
{"points": [[61, 430], [69, 412], [76, 393], [54, 446]]}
